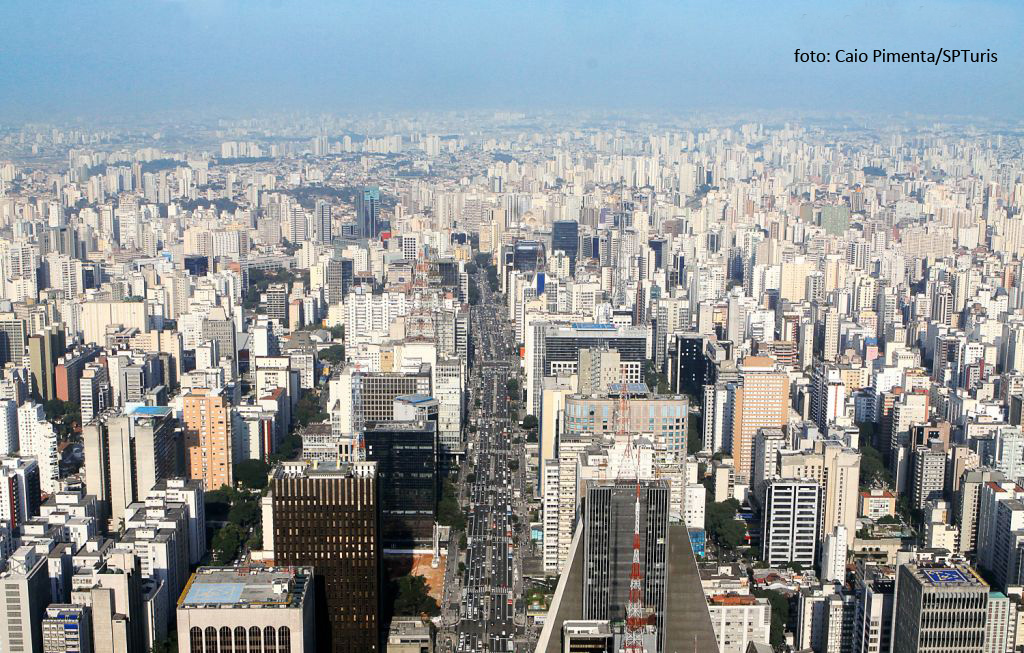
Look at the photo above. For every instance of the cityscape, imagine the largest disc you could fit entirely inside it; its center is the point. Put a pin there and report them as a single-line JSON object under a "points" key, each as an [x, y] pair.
{"points": [[426, 369]]}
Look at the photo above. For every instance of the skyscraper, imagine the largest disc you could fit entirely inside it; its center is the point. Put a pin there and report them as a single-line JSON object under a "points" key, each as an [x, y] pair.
{"points": [[327, 516], [44, 348], [126, 455], [322, 222], [368, 212], [565, 237], [406, 456], [939, 609], [760, 400], [208, 444], [608, 527]]}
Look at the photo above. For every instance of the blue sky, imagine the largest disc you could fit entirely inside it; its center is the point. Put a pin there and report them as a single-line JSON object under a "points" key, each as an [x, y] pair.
{"points": [[61, 58]]}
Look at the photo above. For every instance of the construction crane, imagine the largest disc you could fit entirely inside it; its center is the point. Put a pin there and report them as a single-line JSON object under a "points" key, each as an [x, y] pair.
{"points": [[635, 621]]}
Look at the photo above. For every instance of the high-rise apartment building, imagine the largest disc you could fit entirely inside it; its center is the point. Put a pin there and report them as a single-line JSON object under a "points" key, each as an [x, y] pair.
{"points": [[759, 400], [67, 628], [790, 519], [126, 454], [328, 516], [208, 443], [836, 469], [26, 587]]}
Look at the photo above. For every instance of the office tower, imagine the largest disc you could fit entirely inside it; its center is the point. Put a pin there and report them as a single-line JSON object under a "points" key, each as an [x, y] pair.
{"points": [[761, 399], [341, 500], [69, 372], [339, 279], [13, 340], [67, 628], [126, 455], [828, 395], [833, 556], [368, 212], [608, 526], [939, 608], [872, 624], [555, 352], [277, 302], [528, 256], [406, 454], [565, 237], [197, 266], [837, 471], [662, 416], [208, 442], [690, 367], [373, 395], [598, 369], [26, 589], [9, 440], [790, 520], [322, 222], [263, 609], [44, 349]]}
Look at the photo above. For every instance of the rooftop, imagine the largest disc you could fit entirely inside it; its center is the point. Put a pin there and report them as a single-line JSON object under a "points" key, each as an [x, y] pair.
{"points": [[245, 587]]}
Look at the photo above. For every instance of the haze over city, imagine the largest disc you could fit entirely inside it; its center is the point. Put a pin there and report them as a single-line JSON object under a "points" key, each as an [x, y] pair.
{"points": [[114, 58]]}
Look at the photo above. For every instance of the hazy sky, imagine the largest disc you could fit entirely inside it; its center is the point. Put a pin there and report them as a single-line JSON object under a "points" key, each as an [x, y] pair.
{"points": [[65, 58]]}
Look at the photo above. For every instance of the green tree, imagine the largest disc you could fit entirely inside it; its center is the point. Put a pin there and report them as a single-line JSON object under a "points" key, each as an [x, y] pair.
{"points": [[244, 514], [513, 389], [448, 511], [338, 332], [872, 468], [226, 543], [780, 616], [252, 474], [529, 422], [333, 354], [307, 410], [412, 597], [721, 523]]}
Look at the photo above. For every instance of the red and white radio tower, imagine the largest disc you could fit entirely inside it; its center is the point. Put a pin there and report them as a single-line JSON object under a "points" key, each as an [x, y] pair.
{"points": [[633, 642]]}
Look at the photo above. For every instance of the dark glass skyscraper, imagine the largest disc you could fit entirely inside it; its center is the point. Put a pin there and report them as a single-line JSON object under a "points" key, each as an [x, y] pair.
{"points": [[565, 237], [327, 516], [323, 222], [406, 457], [368, 212]]}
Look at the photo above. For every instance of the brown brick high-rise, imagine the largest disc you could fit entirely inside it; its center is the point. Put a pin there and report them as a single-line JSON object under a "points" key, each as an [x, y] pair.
{"points": [[327, 516]]}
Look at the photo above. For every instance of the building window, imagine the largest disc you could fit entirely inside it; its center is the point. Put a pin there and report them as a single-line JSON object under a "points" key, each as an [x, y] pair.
{"points": [[225, 640], [195, 636], [254, 640], [269, 640], [239, 639], [284, 640], [211, 639]]}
